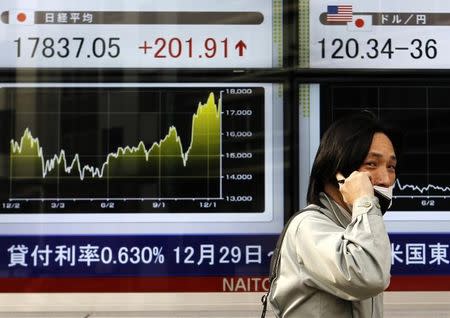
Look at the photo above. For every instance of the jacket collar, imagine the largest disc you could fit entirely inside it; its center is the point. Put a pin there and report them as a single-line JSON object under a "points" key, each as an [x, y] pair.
{"points": [[334, 211]]}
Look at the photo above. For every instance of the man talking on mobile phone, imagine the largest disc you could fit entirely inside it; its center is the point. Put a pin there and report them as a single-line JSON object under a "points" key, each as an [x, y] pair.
{"points": [[335, 256]]}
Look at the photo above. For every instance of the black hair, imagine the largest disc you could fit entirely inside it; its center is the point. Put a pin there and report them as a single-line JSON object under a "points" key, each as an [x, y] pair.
{"points": [[343, 148]]}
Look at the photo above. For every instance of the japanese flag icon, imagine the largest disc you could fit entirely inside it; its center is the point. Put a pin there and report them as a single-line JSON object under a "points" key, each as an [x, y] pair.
{"points": [[360, 23], [25, 17]]}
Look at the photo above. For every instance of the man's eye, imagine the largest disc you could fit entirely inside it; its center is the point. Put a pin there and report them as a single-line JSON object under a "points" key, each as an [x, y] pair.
{"points": [[371, 164]]}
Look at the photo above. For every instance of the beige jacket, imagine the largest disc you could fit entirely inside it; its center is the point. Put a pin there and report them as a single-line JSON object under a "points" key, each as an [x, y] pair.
{"points": [[332, 264]]}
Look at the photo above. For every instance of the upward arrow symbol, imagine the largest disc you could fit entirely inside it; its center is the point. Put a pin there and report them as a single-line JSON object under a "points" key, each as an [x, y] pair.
{"points": [[240, 46]]}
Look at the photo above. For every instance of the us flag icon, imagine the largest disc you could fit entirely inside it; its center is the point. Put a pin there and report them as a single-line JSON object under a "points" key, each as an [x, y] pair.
{"points": [[25, 17], [339, 13]]}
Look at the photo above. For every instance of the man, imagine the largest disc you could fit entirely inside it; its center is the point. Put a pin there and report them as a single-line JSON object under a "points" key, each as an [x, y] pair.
{"points": [[335, 258]]}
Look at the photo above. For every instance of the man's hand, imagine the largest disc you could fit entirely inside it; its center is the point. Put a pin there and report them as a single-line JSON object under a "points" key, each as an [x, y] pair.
{"points": [[357, 185]]}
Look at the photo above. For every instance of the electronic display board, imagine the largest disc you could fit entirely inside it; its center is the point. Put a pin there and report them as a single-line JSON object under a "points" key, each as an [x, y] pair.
{"points": [[382, 34], [149, 185], [141, 34], [419, 220]]}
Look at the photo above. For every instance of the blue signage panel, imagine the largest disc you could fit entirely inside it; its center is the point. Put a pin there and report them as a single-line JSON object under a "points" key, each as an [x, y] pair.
{"points": [[183, 263]]}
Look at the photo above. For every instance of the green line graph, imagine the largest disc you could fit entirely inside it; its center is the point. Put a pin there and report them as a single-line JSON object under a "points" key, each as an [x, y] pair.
{"points": [[133, 149], [165, 158]]}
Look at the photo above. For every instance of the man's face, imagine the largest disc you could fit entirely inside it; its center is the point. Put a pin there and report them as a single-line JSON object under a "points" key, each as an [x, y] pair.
{"points": [[380, 161]]}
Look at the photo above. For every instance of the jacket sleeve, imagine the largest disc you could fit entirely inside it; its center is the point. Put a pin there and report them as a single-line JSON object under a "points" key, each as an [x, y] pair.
{"points": [[352, 263]]}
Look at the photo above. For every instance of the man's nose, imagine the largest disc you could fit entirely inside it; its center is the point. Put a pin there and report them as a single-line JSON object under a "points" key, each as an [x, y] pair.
{"points": [[382, 177]]}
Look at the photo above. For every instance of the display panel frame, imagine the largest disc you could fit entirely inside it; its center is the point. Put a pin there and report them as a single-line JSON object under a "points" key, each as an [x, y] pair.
{"points": [[131, 76], [366, 26], [426, 273], [188, 35]]}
